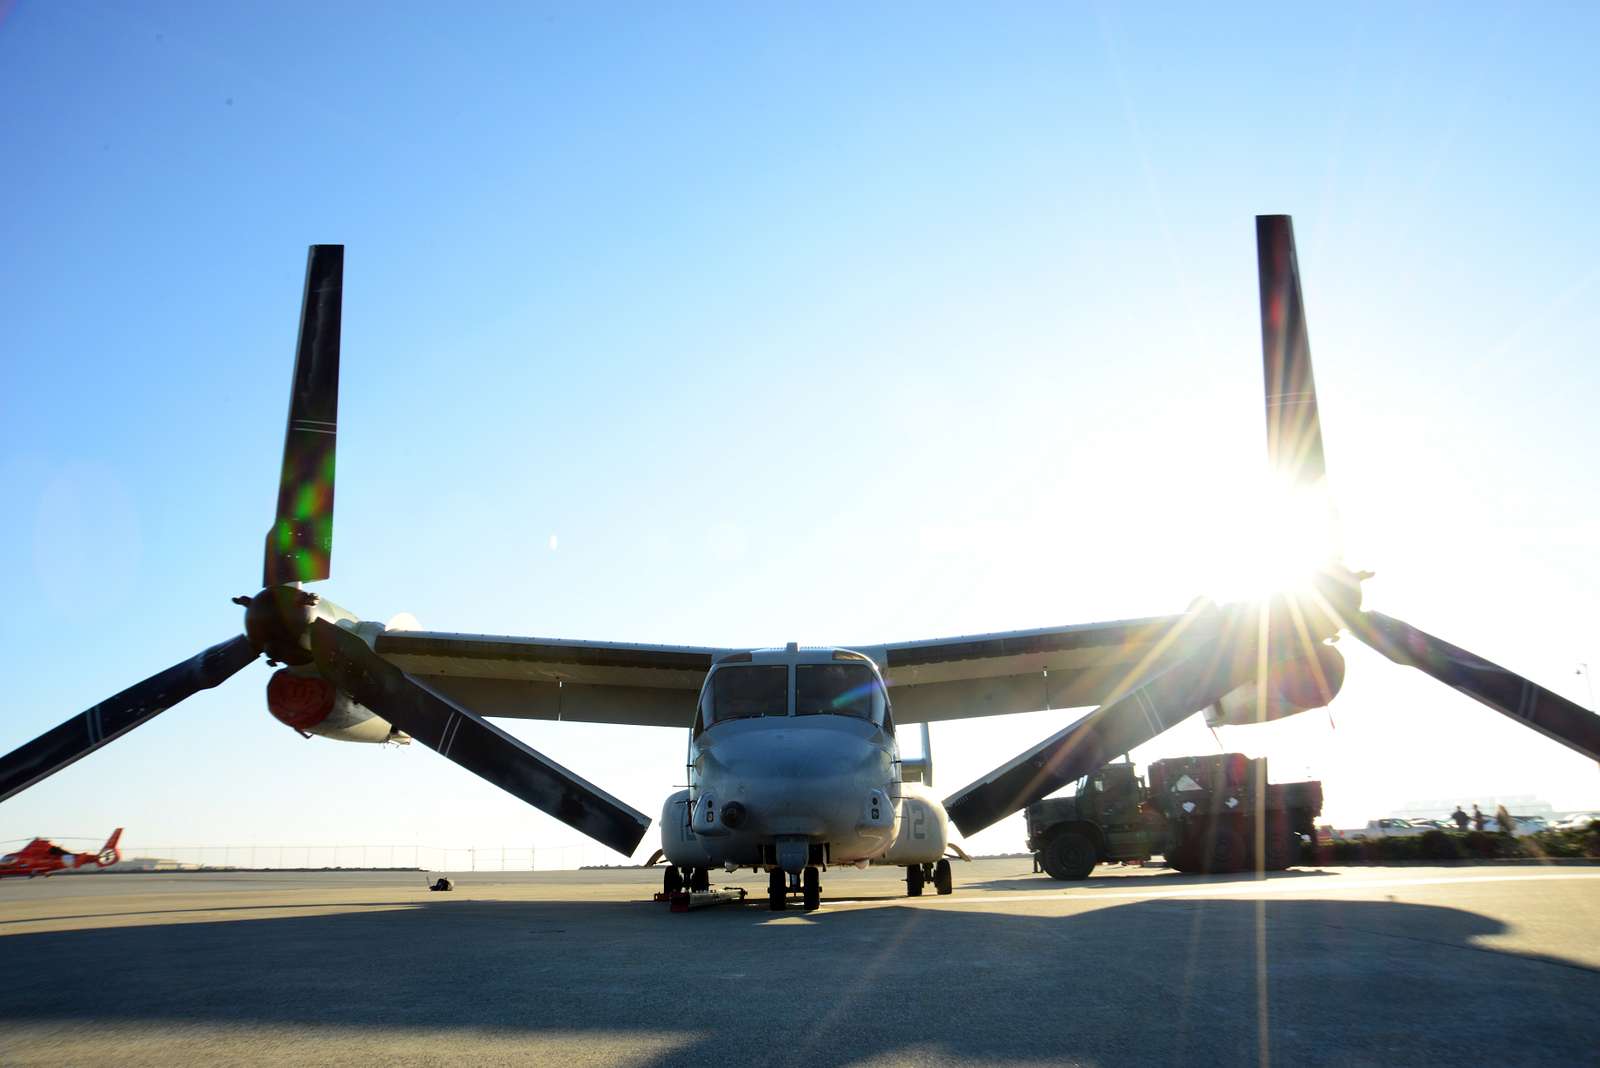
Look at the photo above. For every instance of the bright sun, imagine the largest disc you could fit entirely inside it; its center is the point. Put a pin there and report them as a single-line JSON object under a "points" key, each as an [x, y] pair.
{"points": [[1275, 542]]}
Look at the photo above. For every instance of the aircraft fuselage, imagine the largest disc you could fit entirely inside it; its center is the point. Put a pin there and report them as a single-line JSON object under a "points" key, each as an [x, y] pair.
{"points": [[793, 762]]}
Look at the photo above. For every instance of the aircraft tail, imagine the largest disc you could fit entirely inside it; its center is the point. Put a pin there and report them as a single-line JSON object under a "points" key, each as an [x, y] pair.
{"points": [[109, 853]]}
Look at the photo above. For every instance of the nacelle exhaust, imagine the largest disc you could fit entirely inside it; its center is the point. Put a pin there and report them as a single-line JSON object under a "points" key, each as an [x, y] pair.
{"points": [[312, 705]]}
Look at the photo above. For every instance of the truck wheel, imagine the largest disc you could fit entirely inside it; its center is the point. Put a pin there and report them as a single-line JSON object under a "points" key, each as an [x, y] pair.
{"points": [[1069, 857], [1282, 847], [1048, 866], [942, 881], [1225, 851]]}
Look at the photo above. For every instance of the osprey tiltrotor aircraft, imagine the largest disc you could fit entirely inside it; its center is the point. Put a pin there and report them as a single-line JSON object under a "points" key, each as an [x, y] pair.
{"points": [[794, 765]]}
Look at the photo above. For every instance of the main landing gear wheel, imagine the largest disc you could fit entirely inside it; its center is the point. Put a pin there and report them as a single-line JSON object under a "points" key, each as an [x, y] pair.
{"points": [[914, 881], [1069, 856], [777, 890], [671, 881], [941, 877], [811, 887]]}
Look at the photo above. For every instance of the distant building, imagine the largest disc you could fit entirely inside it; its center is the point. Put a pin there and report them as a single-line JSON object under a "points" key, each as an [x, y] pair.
{"points": [[152, 864]]}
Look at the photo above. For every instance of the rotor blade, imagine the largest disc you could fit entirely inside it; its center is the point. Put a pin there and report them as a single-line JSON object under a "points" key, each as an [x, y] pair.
{"points": [[1294, 430], [473, 742], [1162, 702], [300, 543], [1505, 691], [112, 718]]}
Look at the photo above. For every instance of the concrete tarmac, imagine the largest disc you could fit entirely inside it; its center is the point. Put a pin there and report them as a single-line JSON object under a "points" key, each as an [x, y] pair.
{"points": [[1379, 966]]}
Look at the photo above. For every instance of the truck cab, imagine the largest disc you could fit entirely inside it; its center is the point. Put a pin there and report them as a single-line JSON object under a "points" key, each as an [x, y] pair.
{"points": [[1106, 811]]}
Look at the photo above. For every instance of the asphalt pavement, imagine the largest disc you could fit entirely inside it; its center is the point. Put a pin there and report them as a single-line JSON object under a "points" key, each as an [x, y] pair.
{"points": [[1382, 966]]}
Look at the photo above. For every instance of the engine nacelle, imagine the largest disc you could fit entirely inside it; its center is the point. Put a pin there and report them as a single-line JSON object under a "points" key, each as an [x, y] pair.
{"points": [[312, 705], [678, 841], [1293, 685], [924, 828]]}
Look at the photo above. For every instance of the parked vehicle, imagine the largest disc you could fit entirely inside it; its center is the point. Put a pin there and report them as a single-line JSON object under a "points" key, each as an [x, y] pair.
{"points": [[1578, 822], [1199, 813], [1393, 827]]}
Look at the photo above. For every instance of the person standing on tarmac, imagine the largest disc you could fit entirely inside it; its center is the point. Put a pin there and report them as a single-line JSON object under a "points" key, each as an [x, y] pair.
{"points": [[1461, 818], [1503, 818], [1478, 818]]}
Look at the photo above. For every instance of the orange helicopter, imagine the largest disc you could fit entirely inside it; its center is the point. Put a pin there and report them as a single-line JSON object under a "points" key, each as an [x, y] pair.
{"points": [[43, 857]]}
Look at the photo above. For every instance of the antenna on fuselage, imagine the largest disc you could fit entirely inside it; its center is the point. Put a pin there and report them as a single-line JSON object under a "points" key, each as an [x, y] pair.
{"points": [[927, 755]]}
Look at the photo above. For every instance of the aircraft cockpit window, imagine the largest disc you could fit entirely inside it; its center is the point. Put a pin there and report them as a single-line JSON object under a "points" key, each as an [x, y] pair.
{"points": [[746, 692], [840, 689]]}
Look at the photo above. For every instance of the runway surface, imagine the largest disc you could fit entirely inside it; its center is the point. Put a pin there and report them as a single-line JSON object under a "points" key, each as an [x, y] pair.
{"points": [[1475, 964]]}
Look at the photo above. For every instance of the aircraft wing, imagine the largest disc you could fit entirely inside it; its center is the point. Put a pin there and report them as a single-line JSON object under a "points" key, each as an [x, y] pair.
{"points": [[544, 678], [1028, 670], [656, 685]]}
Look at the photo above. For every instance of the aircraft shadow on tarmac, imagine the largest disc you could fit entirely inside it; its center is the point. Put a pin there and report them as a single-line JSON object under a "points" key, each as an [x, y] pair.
{"points": [[117, 914], [1155, 878], [1171, 980]]}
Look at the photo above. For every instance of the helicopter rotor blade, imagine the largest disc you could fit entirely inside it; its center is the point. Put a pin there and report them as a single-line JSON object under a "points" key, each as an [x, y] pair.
{"points": [[1503, 690], [110, 719], [471, 741], [299, 546], [1294, 426]]}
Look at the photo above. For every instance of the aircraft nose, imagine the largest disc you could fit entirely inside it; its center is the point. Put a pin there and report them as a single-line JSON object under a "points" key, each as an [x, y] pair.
{"points": [[811, 780], [796, 754]]}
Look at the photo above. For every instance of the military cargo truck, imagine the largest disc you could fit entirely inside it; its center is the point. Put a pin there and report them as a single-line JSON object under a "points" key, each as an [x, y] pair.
{"points": [[1201, 813]]}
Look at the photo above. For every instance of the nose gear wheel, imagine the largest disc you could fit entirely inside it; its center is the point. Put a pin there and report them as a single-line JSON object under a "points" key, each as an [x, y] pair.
{"points": [[811, 888]]}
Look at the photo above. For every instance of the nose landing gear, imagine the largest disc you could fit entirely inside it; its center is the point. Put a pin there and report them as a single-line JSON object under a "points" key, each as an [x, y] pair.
{"points": [[780, 884], [695, 880], [777, 890]]}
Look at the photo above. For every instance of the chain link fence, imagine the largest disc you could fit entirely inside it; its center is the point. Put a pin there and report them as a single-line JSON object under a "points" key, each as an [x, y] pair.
{"points": [[136, 854]]}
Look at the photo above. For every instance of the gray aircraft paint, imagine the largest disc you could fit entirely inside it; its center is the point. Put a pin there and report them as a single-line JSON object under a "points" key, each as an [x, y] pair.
{"points": [[827, 779]]}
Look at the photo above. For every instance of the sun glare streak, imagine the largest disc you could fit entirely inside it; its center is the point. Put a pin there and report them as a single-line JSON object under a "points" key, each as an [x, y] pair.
{"points": [[1306, 644], [1134, 676], [1263, 1008]]}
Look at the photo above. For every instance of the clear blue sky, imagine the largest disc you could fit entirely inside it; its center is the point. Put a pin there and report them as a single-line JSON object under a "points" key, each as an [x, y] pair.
{"points": [[789, 325]]}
